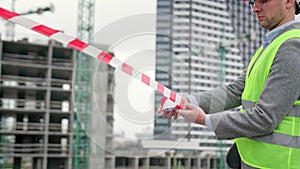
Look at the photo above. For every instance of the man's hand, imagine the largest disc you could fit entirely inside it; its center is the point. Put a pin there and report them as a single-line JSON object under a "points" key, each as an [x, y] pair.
{"points": [[192, 113], [189, 112], [170, 114]]}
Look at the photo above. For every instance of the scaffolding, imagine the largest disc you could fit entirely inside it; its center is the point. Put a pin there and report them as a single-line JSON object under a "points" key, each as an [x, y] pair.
{"points": [[83, 87]]}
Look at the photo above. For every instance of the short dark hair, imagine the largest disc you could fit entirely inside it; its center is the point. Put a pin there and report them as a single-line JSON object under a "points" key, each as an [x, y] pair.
{"points": [[297, 11]]}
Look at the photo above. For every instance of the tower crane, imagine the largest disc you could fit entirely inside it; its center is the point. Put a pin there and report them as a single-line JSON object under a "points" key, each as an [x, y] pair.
{"points": [[222, 50], [10, 26], [83, 87]]}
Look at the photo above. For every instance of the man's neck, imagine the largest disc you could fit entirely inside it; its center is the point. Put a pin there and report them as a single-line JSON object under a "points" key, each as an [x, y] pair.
{"points": [[288, 17], [270, 36]]}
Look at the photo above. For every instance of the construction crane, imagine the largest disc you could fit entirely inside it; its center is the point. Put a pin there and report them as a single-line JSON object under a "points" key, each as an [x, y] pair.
{"points": [[10, 26], [222, 81], [222, 50], [83, 87]]}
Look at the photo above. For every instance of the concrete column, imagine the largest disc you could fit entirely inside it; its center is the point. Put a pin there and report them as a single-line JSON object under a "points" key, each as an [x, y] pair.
{"points": [[37, 163], [208, 161], [113, 162], [199, 161], [136, 162], [169, 163], [189, 164], [147, 163]]}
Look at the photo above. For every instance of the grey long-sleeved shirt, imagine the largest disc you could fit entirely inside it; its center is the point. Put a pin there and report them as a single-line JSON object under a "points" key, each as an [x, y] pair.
{"points": [[282, 89]]}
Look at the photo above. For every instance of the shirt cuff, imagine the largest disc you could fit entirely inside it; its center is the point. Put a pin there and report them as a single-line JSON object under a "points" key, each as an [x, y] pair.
{"points": [[208, 122], [192, 99]]}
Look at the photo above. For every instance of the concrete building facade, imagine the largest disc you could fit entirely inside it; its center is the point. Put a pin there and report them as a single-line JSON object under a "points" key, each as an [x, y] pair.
{"points": [[36, 105], [189, 41], [244, 22]]}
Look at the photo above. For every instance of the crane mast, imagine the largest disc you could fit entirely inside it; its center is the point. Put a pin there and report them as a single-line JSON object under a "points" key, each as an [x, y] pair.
{"points": [[83, 87]]}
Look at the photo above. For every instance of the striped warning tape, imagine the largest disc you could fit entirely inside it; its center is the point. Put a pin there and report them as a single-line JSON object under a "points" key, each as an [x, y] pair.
{"points": [[89, 50]]}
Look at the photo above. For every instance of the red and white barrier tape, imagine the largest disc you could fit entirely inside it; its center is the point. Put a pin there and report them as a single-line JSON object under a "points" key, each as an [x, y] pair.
{"points": [[89, 50]]}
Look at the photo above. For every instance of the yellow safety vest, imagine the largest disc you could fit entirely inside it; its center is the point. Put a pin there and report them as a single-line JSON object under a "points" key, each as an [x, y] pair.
{"points": [[281, 148]]}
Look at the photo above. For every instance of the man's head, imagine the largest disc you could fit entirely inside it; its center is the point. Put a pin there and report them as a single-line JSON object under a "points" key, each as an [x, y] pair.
{"points": [[273, 13]]}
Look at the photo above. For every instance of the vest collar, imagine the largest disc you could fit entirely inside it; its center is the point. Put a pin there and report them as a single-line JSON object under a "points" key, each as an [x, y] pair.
{"points": [[270, 36]]}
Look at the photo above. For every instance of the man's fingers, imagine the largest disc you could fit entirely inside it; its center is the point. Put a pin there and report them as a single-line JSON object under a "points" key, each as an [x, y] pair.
{"points": [[159, 109], [169, 115], [181, 112], [176, 115]]}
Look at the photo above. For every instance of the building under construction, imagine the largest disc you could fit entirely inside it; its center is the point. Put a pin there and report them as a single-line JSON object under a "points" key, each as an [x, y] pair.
{"points": [[36, 113], [37, 127]]}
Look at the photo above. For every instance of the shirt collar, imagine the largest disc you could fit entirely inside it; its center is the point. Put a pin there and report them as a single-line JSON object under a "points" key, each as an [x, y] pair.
{"points": [[270, 36]]}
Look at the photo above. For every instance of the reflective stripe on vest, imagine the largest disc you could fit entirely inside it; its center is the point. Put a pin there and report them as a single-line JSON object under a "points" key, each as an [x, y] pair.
{"points": [[281, 148], [283, 135]]}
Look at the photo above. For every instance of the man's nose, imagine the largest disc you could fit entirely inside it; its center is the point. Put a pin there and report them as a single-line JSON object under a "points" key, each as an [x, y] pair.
{"points": [[255, 8]]}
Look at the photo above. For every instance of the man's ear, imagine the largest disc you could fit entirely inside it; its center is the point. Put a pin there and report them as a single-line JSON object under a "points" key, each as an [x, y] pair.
{"points": [[290, 4]]}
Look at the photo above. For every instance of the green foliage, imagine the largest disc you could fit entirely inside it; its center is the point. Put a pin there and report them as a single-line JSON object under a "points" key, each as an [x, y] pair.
{"points": [[177, 164]]}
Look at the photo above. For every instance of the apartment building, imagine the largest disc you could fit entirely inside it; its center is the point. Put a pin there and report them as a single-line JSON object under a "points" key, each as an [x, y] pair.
{"points": [[196, 50], [244, 23]]}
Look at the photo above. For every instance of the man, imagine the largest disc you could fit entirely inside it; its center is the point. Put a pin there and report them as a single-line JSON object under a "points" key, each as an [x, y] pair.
{"points": [[267, 129]]}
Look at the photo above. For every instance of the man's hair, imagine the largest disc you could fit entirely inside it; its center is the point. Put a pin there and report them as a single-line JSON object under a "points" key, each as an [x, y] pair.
{"points": [[297, 11]]}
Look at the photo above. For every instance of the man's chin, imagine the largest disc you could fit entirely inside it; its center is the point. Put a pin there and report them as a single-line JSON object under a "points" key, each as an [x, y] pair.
{"points": [[264, 25]]}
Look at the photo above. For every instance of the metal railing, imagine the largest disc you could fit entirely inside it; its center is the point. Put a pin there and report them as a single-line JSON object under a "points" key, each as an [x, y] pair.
{"points": [[32, 149]]}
